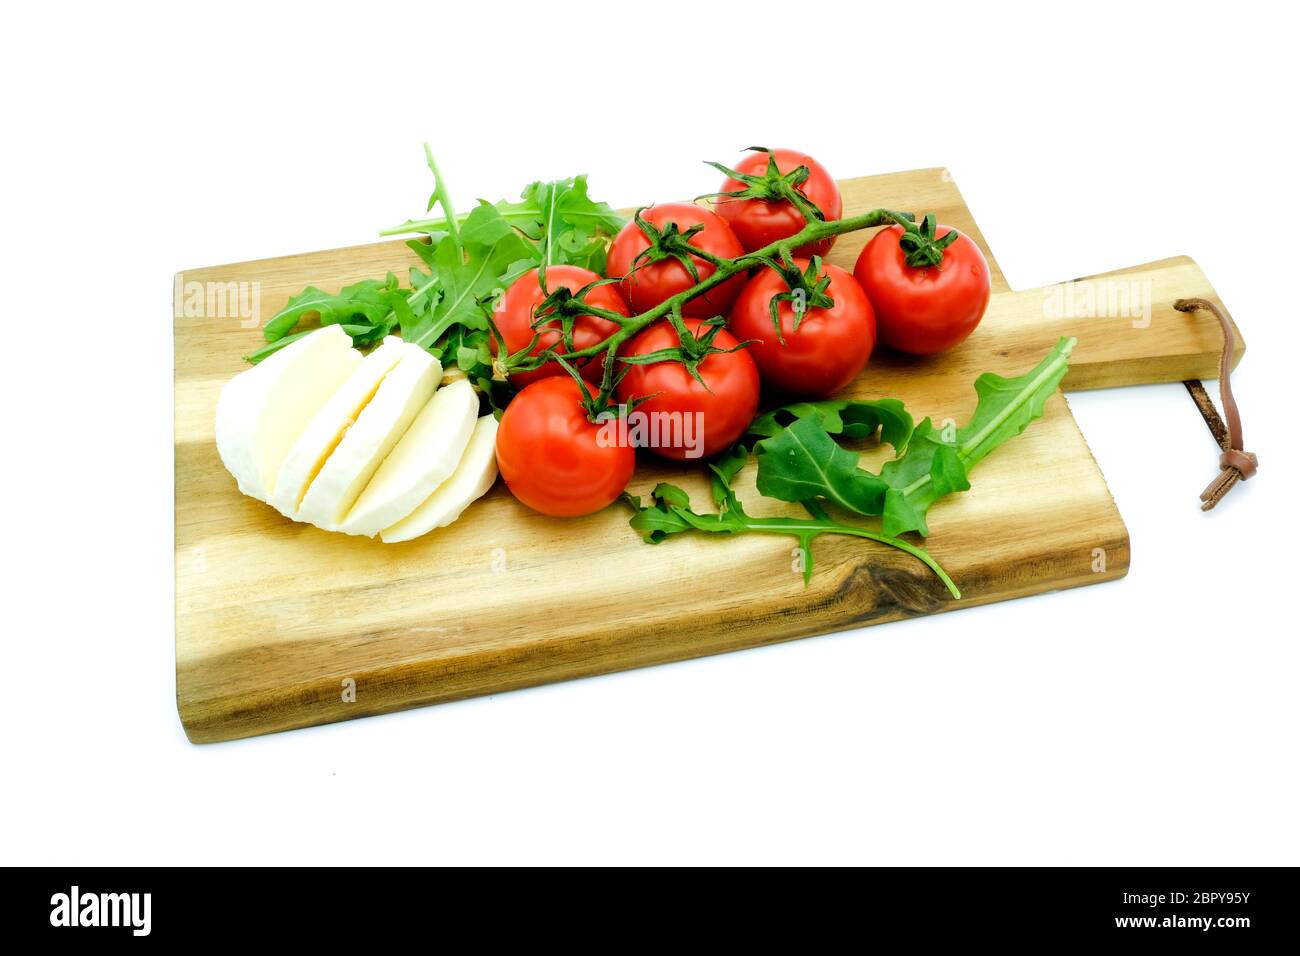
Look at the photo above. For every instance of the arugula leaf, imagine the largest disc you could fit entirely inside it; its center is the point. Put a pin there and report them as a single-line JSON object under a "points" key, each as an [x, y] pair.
{"points": [[802, 462], [380, 303], [568, 225], [425, 293], [669, 513], [467, 260], [474, 257], [560, 217], [1007, 406], [854, 418], [356, 331], [934, 467], [485, 226], [468, 349], [468, 275]]}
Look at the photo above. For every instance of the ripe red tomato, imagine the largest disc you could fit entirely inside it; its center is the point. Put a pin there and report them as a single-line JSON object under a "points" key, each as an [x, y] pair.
{"points": [[518, 306], [650, 282], [759, 222], [924, 309], [827, 350], [553, 458], [724, 409]]}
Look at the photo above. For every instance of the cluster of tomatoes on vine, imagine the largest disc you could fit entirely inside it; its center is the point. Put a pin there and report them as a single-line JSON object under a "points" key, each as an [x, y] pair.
{"points": [[791, 325]]}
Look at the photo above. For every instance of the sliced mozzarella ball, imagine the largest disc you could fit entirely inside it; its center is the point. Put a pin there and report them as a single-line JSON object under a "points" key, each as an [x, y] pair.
{"points": [[379, 427], [327, 428], [475, 474], [263, 411], [426, 456]]}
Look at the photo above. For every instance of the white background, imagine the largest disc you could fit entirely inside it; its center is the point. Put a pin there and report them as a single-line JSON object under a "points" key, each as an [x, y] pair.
{"points": [[1148, 721]]}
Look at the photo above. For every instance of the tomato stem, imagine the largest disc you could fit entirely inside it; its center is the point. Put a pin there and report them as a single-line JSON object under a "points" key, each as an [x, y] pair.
{"points": [[724, 269], [921, 249]]}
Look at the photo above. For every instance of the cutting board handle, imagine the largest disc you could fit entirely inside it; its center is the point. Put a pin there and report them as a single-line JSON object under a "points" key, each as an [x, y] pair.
{"points": [[1128, 329], [1159, 322]]}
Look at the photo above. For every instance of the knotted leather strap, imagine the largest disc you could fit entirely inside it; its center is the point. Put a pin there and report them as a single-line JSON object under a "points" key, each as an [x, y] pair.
{"points": [[1235, 463]]}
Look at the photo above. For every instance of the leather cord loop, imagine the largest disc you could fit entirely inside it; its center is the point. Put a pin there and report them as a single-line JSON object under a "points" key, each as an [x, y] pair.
{"points": [[1244, 462], [1235, 463]]}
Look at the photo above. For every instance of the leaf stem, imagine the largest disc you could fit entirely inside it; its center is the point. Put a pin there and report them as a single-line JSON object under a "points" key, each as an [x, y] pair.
{"points": [[441, 223], [1059, 360], [444, 200], [1052, 367], [548, 235], [802, 526], [421, 290]]}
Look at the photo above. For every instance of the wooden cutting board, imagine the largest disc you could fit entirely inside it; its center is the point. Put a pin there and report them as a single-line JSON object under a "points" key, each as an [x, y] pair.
{"points": [[276, 622]]}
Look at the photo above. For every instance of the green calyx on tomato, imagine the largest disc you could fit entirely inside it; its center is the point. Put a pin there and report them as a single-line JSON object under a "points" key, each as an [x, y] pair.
{"points": [[921, 249], [772, 185], [671, 247], [777, 201], [553, 309], [692, 348], [924, 309], [566, 307], [596, 404], [670, 242], [694, 372], [821, 343], [805, 290]]}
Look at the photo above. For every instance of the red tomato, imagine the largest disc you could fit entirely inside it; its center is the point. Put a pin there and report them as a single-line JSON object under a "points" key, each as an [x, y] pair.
{"points": [[553, 458], [827, 350], [518, 306], [725, 408], [760, 222], [924, 309], [652, 282]]}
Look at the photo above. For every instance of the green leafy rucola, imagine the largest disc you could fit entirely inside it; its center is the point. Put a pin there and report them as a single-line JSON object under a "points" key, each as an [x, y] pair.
{"points": [[802, 461], [799, 461], [669, 513], [468, 260]]}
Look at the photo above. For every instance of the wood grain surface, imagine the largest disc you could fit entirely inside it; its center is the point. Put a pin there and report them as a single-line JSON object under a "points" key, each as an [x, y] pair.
{"points": [[274, 619]]}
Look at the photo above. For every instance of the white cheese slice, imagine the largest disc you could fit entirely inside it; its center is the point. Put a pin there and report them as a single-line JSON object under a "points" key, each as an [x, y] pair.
{"points": [[426, 456], [475, 474], [263, 411], [349, 468], [327, 428]]}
